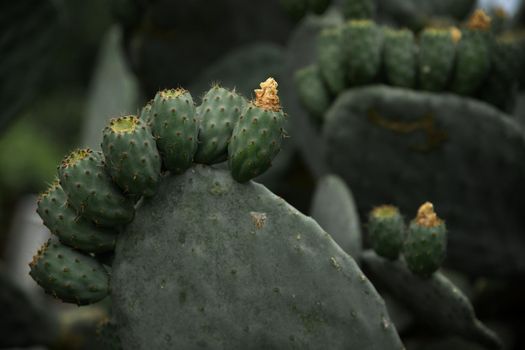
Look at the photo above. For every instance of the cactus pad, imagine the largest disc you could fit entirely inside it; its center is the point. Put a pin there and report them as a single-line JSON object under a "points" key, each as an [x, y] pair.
{"points": [[131, 156], [72, 230], [90, 189], [232, 266], [69, 275]]}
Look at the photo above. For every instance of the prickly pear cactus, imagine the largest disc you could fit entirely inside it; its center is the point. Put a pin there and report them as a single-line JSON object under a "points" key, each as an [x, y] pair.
{"points": [[455, 152], [436, 302], [222, 271], [335, 210]]}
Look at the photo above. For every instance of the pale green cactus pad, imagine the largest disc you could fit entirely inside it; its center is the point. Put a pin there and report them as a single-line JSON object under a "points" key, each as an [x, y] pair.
{"points": [[214, 263]]}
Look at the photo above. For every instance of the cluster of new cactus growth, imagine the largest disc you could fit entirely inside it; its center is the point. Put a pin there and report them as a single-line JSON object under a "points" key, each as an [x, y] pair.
{"points": [[297, 9], [469, 61], [423, 244], [96, 192], [358, 9]]}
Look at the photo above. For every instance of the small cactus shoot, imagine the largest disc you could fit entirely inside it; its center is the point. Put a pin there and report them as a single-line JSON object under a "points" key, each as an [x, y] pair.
{"points": [[69, 275], [131, 156], [386, 229], [91, 191], [425, 246], [257, 136]]}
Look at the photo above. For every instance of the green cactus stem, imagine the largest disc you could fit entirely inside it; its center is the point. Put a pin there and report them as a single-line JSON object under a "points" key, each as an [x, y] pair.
{"points": [[257, 136], [72, 230], [131, 154], [69, 275], [386, 229], [90, 189], [426, 243], [174, 125]]}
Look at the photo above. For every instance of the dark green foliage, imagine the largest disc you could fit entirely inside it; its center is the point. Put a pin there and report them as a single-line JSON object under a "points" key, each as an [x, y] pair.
{"points": [[90, 190], [358, 9], [436, 58], [399, 57], [331, 59], [174, 125], [296, 9], [386, 230], [68, 274], [362, 40], [131, 156], [233, 266], [217, 115], [312, 92], [426, 244], [72, 230]]}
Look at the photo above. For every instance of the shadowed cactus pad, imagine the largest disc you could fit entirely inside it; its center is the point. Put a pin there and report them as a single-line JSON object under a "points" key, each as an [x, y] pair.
{"points": [[69, 275], [445, 149], [331, 59], [312, 92], [131, 156], [232, 266], [399, 57], [73, 230], [218, 113], [174, 125], [90, 189], [257, 136]]}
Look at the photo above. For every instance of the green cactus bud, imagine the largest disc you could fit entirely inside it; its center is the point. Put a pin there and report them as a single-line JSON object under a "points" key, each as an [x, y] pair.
{"points": [[131, 155], [312, 91], [69, 275], [358, 9], [175, 128], [257, 136], [363, 42], [501, 84], [386, 229], [217, 115], [331, 59], [400, 57], [90, 189], [426, 243], [472, 55], [73, 230], [436, 58]]}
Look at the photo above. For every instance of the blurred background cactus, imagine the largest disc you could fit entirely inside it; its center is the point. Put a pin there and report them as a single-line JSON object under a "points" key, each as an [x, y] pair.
{"points": [[383, 105]]}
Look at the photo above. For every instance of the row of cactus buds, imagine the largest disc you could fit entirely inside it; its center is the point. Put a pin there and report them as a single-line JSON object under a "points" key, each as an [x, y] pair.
{"points": [[96, 191], [466, 60], [423, 243]]}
